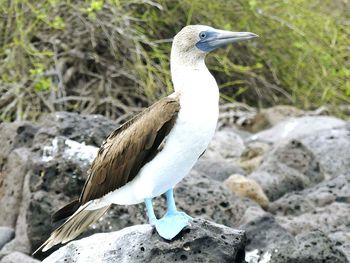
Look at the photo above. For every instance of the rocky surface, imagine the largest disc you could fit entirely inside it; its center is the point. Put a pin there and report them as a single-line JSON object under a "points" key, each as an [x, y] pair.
{"points": [[6, 235], [18, 257], [312, 247], [296, 127], [202, 241], [288, 167], [299, 173]]}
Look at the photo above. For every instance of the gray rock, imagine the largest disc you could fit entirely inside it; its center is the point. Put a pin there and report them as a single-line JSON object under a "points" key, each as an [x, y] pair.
{"points": [[18, 257], [265, 234], [202, 241], [221, 158], [6, 234], [331, 149], [341, 241], [217, 168], [336, 190], [226, 143], [288, 167], [269, 117], [12, 167], [11, 183], [325, 207], [91, 129], [311, 247], [15, 135], [297, 127]]}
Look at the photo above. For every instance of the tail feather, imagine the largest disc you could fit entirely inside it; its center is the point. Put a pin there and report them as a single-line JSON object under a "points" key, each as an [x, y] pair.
{"points": [[73, 227], [66, 211]]}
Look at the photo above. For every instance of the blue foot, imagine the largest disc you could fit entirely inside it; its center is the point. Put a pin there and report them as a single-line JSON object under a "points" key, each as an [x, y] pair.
{"points": [[171, 224]]}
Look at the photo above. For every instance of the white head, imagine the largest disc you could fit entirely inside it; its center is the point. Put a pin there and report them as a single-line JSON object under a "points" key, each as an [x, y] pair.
{"points": [[193, 42]]}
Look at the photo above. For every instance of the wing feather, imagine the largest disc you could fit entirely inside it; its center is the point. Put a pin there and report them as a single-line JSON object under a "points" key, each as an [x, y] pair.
{"points": [[128, 148]]}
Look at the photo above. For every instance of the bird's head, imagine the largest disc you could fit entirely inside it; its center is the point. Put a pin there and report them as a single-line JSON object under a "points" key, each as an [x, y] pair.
{"points": [[195, 41]]}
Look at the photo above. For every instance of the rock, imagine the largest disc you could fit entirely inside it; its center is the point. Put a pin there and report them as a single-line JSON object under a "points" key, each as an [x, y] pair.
{"points": [[202, 241], [253, 155], [325, 207], [269, 117], [90, 129], [12, 167], [6, 234], [246, 187], [12, 177], [341, 241], [265, 234], [331, 149], [227, 144], [309, 247], [297, 127], [15, 135], [221, 158], [217, 168], [288, 167], [336, 190], [18, 257]]}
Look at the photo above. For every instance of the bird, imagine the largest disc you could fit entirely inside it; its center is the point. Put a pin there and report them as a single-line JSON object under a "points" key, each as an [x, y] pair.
{"points": [[152, 152]]}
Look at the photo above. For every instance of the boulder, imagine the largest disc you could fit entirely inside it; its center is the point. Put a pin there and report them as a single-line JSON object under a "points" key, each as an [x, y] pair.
{"points": [[331, 148], [221, 159], [12, 177], [325, 207], [269, 117], [310, 247], [253, 155], [227, 144], [246, 187], [6, 234], [288, 167], [18, 257], [218, 168], [88, 129], [297, 127], [265, 234], [202, 241]]}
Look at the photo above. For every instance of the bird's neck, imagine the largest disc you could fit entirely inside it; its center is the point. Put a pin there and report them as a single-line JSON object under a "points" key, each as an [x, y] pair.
{"points": [[195, 85], [190, 72]]}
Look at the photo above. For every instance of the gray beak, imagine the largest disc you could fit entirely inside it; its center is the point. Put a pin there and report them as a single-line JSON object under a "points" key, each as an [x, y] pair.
{"points": [[217, 38]]}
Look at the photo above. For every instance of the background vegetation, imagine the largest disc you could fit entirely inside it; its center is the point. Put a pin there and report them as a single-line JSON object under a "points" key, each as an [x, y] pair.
{"points": [[111, 57]]}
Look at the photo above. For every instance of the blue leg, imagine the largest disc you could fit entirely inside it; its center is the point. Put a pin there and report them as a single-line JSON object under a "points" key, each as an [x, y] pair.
{"points": [[150, 212], [173, 221]]}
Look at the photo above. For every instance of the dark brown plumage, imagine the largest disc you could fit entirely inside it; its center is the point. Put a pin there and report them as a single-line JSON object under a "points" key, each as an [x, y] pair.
{"points": [[118, 161]]}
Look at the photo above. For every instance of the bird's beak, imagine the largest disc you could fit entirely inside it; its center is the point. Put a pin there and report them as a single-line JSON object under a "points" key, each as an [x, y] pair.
{"points": [[218, 38], [226, 37]]}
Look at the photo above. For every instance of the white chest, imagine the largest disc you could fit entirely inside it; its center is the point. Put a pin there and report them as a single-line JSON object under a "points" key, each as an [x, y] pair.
{"points": [[188, 139]]}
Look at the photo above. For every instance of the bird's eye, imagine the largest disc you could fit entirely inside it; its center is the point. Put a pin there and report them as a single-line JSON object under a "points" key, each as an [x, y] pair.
{"points": [[202, 35]]}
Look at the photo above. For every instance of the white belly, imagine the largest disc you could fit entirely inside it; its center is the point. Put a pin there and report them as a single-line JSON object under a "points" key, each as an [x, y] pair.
{"points": [[190, 136]]}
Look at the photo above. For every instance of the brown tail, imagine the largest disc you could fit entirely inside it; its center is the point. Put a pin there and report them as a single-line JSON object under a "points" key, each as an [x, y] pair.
{"points": [[66, 211], [73, 227]]}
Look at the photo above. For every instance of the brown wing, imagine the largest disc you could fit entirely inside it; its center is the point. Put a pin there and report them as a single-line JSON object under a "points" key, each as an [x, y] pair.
{"points": [[128, 148]]}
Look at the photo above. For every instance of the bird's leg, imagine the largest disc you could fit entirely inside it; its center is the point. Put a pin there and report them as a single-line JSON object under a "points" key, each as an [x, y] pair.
{"points": [[173, 221], [150, 212], [170, 202], [171, 207]]}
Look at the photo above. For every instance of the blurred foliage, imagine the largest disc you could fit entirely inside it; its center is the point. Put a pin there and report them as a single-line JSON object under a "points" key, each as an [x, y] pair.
{"points": [[112, 56]]}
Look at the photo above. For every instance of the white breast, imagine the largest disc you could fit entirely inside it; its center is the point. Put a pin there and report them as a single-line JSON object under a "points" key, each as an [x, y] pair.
{"points": [[190, 136]]}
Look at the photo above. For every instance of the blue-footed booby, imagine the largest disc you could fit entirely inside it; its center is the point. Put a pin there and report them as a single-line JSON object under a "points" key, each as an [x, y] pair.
{"points": [[149, 154]]}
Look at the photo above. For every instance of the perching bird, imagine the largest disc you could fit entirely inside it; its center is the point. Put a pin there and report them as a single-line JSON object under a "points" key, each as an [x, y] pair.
{"points": [[148, 155]]}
